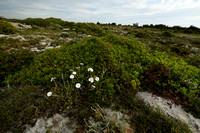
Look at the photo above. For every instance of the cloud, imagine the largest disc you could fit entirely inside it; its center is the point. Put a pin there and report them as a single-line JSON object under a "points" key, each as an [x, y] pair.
{"points": [[122, 11]]}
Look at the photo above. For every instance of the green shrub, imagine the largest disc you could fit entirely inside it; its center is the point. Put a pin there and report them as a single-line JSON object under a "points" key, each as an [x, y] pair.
{"points": [[56, 21], [180, 77], [13, 61], [194, 60], [6, 28], [142, 35], [89, 28], [167, 34], [19, 107], [192, 104], [64, 34], [37, 22], [102, 54]]}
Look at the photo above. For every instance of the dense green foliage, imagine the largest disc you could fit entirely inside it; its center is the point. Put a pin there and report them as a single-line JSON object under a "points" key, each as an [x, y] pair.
{"points": [[89, 28], [13, 61], [18, 109], [37, 22], [6, 28]]}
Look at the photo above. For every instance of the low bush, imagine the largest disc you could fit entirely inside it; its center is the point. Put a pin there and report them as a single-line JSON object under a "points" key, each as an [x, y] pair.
{"points": [[13, 61], [167, 34], [20, 106], [6, 28], [37, 22], [194, 60], [89, 28], [56, 21]]}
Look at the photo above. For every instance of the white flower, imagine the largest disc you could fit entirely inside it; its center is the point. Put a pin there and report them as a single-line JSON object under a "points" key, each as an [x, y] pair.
{"points": [[49, 94], [78, 67], [71, 76], [90, 70], [93, 86], [78, 85], [91, 79], [53, 78], [81, 64], [97, 78], [74, 73]]}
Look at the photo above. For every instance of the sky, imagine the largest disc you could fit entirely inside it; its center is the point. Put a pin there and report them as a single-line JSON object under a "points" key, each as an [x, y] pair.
{"points": [[169, 12]]}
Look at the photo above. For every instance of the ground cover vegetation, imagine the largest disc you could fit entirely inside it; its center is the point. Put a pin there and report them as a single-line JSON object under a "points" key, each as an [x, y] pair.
{"points": [[102, 64]]}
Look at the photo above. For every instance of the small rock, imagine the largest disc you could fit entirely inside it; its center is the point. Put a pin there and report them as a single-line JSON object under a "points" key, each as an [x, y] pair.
{"points": [[194, 50], [2, 35], [35, 49], [57, 123], [49, 47], [58, 46], [66, 29], [21, 38], [49, 122], [21, 26], [43, 43]]}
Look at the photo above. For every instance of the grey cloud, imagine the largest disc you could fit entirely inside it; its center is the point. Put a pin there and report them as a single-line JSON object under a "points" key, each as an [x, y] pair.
{"points": [[120, 11]]}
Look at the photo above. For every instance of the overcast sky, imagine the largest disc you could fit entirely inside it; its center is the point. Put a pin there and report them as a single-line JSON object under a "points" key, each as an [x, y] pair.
{"points": [[168, 12]]}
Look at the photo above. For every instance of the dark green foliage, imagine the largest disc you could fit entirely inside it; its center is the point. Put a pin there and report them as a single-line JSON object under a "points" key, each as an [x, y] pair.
{"points": [[170, 75], [37, 22], [6, 28], [20, 106], [192, 105], [194, 60], [161, 26], [56, 21], [13, 61], [142, 35], [180, 50], [64, 34], [69, 24], [167, 34], [89, 28]]}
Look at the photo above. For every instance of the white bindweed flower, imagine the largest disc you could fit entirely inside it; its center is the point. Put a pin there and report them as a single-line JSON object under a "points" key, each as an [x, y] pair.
{"points": [[91, 79], [97, 78], [78, 67], [53, 78], [93, 86], [78, 85], [74, 73], [71, 76], [49, 94], [90, 70], [81, 64]]}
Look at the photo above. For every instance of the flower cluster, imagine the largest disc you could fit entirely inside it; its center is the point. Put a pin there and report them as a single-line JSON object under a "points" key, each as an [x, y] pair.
{"points": [[78, 85], [72, 75], [91, 79], [90, 70]]}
